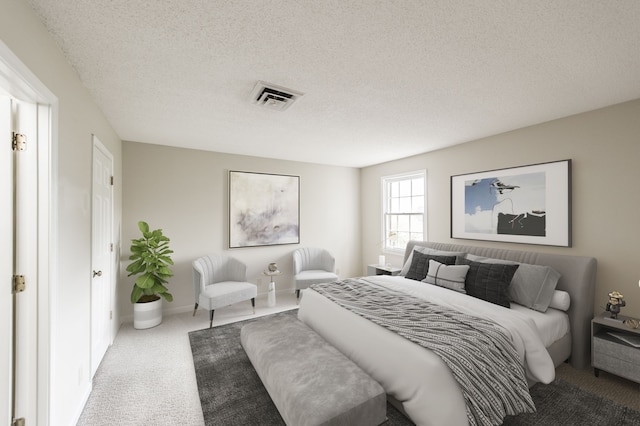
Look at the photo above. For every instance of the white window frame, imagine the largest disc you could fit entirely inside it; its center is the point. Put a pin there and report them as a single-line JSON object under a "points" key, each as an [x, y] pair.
{"points": [[386, 236]]}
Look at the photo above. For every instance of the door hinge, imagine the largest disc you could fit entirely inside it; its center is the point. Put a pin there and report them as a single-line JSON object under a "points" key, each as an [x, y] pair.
{"points": [[18, 142], [111, 247], [111, 180], [18, 422], [19, 283], [110, 315]]}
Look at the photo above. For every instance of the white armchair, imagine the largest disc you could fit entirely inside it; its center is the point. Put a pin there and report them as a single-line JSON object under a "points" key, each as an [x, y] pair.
{"points": [[221, 280], [311, 266]]}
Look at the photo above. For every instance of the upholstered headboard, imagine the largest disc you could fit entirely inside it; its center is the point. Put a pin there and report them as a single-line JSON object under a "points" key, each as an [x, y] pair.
{"points": [[578, 279]]}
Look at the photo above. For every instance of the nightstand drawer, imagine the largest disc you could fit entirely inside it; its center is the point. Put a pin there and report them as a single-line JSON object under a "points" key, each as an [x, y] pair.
{"points": [[612, 350], [622, 368], [609, 348]]}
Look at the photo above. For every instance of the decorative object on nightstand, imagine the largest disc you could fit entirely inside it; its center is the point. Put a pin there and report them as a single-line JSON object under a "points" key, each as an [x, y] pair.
{"points": [[615, 346], [616, 301], [384, 244], [631, 323], [272, 271]]}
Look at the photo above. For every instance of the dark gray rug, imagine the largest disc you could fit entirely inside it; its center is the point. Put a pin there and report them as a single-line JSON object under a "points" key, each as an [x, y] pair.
{"points": [[231, 392]]}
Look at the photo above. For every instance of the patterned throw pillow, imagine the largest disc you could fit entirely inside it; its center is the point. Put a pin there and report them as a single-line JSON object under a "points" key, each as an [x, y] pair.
{"points": [[489, 281], [447, 276], [532, 286], [420, 264]]}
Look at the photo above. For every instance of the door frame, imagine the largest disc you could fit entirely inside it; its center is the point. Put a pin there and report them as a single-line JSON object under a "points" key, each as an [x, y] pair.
{"points": [[19, 82]]}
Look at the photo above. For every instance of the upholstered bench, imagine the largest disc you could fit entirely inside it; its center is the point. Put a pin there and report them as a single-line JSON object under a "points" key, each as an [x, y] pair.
{"points": [[310, 381]]}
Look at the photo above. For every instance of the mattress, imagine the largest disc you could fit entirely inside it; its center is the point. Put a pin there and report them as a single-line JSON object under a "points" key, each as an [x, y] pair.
{"points": [[552, 325], [411, 374]]}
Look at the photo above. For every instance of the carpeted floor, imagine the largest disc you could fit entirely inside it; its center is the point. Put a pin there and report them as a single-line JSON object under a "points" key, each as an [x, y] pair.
{"points": [[231, 392]]}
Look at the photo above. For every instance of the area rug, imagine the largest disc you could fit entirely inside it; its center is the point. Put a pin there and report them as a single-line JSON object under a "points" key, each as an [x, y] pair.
{"points": [[231, 392]]}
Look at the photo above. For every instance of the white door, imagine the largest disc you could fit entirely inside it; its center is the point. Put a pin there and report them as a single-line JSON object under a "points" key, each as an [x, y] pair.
{"points": [[25, 117], [19, 223], [26, 186], [101, 253], [6, 265]]}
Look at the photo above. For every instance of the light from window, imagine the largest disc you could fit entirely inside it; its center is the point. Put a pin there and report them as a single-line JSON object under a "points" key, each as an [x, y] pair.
{"points": [[404, 201]]}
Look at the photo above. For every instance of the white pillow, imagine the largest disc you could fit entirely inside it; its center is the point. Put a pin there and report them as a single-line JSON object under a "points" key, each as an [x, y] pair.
{"points": [[560, 300], [447, 276], [426, 250]]}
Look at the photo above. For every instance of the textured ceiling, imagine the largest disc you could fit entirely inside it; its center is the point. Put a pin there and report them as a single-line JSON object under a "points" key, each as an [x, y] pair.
{"points": [[381, 79]]}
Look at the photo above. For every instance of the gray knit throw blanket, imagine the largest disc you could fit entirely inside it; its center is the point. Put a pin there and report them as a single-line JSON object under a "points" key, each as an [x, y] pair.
{"points": [[480, 355]]}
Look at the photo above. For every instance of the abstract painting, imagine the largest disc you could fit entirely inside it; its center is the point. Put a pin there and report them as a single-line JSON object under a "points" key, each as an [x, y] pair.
{"points": [[526, 204], [264, 209]]}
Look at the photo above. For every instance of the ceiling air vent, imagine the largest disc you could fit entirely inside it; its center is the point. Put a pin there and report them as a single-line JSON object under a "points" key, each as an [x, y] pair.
{"points": [[270, 96]]}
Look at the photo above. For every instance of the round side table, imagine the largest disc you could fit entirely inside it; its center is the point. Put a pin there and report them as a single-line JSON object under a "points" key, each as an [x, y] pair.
{"points": [[271, 293]]}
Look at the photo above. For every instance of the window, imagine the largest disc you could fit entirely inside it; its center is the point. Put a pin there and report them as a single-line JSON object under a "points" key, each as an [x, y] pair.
{"points": [[403, 209]]}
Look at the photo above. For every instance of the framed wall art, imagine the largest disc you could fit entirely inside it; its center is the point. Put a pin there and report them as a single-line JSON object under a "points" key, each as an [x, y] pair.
{"points": [[526, 204], [264, 209]]}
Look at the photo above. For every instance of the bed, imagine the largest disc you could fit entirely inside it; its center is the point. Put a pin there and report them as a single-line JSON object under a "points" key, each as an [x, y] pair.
{"points": [[417, 380]]}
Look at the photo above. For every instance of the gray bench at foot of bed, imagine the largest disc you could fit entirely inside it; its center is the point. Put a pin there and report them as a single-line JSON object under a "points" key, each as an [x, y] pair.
{"points": [[310, 381]]}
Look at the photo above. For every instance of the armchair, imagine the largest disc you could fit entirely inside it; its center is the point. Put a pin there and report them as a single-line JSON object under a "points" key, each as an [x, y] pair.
{"points": [[312, 265], [221, 280]]}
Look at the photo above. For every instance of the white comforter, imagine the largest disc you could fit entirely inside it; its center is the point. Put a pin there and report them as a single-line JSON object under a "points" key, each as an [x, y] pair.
{"points": [[411, 374]]}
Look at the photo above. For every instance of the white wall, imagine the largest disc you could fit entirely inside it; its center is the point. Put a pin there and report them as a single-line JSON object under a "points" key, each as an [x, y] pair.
{"points": [[185, 193], [604, 146], [78, 118]]}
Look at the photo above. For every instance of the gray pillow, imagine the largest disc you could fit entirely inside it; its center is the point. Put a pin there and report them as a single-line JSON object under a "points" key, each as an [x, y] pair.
{"points": [[426, 250], [532, 285], [447, 276], [482, 259]]}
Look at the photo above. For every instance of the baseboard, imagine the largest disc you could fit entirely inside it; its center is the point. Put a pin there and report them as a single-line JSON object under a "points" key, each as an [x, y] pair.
{"points": [[83, 403], [189, 308]]}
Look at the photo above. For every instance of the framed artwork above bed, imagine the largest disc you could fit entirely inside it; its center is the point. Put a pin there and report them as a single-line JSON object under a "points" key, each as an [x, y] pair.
{"points": [[264, 209], [526, 204]]}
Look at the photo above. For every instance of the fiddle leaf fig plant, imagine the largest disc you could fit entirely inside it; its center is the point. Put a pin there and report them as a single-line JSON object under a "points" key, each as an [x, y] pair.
{"points": [[150, 258]]}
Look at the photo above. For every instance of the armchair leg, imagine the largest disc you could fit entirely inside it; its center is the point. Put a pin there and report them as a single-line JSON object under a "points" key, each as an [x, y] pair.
{"points": [[253, 304], [195, 309], [211, 318]]}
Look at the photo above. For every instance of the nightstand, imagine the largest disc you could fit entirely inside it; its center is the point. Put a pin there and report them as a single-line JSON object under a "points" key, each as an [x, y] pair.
{"points": [[382, 270], [613, 354]]}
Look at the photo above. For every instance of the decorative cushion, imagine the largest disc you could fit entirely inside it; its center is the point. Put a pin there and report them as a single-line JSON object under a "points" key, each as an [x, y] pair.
{"points": [[532, 285], [420, 264], [560, 300], [426, 250], [488, 281], [447, 276]]}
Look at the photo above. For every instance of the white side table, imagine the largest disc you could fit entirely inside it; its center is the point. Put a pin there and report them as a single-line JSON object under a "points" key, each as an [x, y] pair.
{"points": [[382, 270], [271, 293]]}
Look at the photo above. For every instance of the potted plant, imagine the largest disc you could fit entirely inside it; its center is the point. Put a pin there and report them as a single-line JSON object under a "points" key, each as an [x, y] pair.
{"points": [[150, 258]]}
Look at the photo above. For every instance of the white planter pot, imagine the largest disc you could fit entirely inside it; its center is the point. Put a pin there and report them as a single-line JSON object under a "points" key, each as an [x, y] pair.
{"points": [[147, 315]]}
